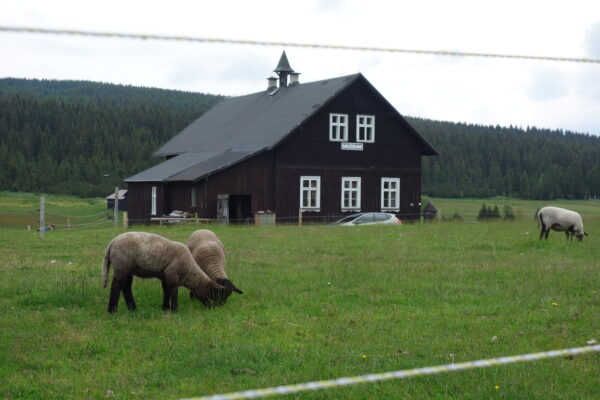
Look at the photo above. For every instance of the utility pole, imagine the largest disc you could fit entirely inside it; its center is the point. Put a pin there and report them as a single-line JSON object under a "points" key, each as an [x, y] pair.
{"points": [[116, 207], [42, 216]]}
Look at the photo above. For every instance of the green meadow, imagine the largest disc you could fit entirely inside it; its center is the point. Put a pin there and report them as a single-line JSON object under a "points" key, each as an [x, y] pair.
{"points": [[19, 210], [320, 302]]}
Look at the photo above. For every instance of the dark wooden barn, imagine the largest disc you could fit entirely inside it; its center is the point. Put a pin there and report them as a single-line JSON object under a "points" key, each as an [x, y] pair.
{"points": [[324, 149]]}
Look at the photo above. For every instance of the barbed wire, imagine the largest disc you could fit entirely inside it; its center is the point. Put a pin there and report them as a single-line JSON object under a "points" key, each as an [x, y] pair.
{"points": [[142, 36], [402, 374]]}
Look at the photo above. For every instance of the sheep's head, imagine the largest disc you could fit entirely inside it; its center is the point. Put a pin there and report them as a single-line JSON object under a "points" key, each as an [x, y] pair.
{"points": [[580, 235], [217, 296], [206, 293]]}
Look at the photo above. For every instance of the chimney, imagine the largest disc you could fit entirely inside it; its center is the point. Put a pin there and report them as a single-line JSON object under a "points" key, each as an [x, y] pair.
{"points": [[283, 69], [272, 83], [294, 78]]}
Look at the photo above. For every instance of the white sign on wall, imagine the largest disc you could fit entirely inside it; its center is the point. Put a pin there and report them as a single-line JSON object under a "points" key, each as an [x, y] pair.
{"points": [[352, 146]]}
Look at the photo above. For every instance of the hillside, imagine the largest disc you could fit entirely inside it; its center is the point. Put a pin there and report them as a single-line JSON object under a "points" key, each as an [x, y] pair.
{"points": [[484, 161], [84, 138], [67, 136]]}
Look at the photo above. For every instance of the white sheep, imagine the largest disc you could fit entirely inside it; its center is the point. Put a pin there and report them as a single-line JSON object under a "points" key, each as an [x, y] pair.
{"points": [[560, 220], [209, 253], [148, 255]]}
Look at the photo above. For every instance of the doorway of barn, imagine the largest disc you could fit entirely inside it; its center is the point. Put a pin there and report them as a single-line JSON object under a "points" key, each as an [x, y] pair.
{"points": [[240, 209]]}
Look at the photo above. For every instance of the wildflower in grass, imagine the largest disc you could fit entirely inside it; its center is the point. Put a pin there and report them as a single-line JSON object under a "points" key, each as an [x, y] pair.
{"points": [[363, 356], [497, 387], [554, 304]]}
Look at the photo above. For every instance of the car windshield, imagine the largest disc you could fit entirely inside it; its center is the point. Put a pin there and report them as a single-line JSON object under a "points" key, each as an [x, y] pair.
{"points": [[365, 219], [382, 217], [349, 218]]}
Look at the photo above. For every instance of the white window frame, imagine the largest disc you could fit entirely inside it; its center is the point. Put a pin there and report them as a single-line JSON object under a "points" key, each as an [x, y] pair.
{"points": [[386, 193], [153, 201], [365, 130], [350, 190], [338, 127], [309, 190]]}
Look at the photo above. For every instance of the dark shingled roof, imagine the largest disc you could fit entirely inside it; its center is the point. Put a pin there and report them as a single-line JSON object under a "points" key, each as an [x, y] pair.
{"points": [[163, 171], [256, 120], [239, 127]]}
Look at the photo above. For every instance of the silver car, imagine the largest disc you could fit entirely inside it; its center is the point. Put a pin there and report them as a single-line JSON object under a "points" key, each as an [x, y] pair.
{"points": [[371, 218]]}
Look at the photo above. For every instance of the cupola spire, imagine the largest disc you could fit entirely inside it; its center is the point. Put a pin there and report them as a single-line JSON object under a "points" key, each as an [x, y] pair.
{"points": [[283, 69]]}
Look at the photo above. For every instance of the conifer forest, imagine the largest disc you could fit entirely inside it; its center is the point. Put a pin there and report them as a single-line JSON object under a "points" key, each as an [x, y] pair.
{"points": [[84, 138]]}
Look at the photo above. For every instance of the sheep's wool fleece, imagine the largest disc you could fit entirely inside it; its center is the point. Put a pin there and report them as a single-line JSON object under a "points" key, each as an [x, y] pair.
{"points": [[148, 250], [565, 218]]}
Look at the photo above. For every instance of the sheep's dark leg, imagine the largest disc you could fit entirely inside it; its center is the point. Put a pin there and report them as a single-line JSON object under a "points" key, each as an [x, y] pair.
{"points": [[570, 233], [166, 296], [174, 303], [543, 230], [128, 294], [115, 291]]}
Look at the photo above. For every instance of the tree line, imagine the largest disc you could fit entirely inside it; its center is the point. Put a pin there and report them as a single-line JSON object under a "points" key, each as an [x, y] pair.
{"points": [[531, 163], [84, 138]]}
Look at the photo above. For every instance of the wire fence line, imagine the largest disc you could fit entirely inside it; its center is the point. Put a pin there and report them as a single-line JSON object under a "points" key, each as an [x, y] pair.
{"points": [[401, 374], [86, 224], [143, 36], [104, 212]]}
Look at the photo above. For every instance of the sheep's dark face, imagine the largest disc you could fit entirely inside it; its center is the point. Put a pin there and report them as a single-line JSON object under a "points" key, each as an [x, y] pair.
{"points": [[580, 236], [216, 297]]}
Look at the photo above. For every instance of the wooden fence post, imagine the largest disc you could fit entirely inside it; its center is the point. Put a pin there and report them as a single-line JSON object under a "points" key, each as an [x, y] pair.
{"points": [[116, 208], [42, 216]]}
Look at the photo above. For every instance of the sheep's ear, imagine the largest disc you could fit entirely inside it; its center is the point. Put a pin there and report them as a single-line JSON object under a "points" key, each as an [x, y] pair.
{"points": [[235, 289], [586, 234]]}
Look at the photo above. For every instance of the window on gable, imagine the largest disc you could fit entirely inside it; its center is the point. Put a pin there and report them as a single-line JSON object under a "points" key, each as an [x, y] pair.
{"points": [[153, 201], [310, 193], [390, 194], [338, 127], [351, 194], [365, 128]]}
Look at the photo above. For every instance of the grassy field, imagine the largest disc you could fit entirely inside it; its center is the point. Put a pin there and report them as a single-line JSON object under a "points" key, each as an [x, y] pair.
{"points": [[320, 302], [468, 209], [18, 210]]}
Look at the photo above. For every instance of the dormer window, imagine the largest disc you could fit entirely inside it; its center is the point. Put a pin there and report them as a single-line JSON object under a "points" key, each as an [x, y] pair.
{"points": [[338, 127], [365, 128]]}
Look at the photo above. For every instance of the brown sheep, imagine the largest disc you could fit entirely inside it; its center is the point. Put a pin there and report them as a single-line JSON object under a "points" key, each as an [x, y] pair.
{"points": [[152, 256], [209, 253]]}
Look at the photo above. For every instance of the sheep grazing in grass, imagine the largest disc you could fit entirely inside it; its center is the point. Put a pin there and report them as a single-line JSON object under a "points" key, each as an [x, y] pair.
{"points": [[152, 256], [209, 253], [560, 220]]}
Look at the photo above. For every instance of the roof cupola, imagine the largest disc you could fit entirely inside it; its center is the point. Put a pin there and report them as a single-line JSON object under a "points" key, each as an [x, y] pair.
{"points": [[283, 69]]}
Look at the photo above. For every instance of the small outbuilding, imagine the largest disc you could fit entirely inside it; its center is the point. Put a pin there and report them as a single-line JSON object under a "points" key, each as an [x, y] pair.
{"points": [[429, 212], [110, 200]]}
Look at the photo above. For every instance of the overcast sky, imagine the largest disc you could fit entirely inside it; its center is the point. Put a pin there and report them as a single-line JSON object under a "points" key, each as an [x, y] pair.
{"points": [[486, 91]]}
